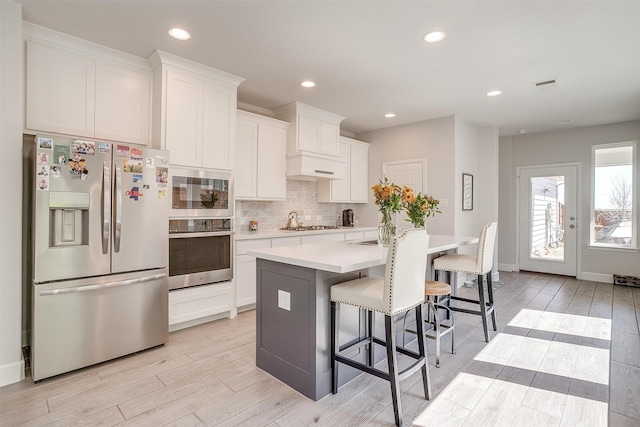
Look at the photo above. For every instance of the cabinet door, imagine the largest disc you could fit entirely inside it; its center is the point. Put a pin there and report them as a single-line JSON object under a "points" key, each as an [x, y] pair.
{"points": [[272, 163], [307, 133], [245, 280], [183, 133], [247, 164], [340, 187], [328, 138], [218, 140], [359, 174], [60, 91], [122, 104]]}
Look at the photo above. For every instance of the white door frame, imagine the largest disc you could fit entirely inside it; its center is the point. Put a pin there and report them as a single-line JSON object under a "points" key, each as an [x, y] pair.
{"points": [[579, 233]]}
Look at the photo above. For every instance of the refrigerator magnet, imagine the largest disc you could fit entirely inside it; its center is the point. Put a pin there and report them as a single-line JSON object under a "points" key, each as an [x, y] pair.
{"points": [[137, 177], [42, 171], [43, 183], [134, 193], [78, 167], [133, 167], [43, 158], [162, 175], [83, 147], [150, 162], [145, 186], [61, 153], [162, 194], [122, 151], [55, 171], [45, 143], [104, 148], [136, 153]]}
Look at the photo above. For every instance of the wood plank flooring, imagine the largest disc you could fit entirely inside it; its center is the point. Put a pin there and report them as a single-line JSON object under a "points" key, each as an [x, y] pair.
{"points": [[536, 372]]}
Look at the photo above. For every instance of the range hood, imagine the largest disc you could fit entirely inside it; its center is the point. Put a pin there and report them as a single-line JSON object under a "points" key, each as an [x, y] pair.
{"points": [[311, 166]]}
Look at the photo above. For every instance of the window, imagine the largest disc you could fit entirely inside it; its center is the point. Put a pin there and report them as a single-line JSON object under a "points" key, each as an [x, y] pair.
{"points": [[614, 196]]}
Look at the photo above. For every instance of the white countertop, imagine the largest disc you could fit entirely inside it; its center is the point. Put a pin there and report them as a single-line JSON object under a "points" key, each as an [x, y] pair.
{"points": [[270, 234], [343, 257]]}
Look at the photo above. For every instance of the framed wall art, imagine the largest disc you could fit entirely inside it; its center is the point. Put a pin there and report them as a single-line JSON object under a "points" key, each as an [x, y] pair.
{"points": [[467, 192]]}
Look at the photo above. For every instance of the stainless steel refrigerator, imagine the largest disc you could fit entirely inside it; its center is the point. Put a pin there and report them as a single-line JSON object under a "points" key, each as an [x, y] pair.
{"points": [[100, 252]]}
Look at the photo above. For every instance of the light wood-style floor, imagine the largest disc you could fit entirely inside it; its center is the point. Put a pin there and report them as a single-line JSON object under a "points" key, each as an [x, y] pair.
{"points": [[206, 375]]}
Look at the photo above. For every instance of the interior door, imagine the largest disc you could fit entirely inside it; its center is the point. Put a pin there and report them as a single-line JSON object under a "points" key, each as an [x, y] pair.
{"points": [[547, 221], [411, 173]]}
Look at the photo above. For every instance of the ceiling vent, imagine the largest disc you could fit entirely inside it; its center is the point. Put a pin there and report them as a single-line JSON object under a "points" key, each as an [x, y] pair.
{"points": [[546, 85]]}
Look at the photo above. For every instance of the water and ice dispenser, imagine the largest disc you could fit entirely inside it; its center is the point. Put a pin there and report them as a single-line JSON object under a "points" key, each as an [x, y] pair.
{"points": [[69, 218]]}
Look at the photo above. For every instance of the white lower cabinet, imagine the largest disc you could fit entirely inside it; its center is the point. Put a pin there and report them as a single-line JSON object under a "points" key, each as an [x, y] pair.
{"points": [[192, 306]]}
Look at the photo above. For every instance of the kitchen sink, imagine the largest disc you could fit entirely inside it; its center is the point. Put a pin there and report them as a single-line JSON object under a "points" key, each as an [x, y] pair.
{"points": [[367, 243]]}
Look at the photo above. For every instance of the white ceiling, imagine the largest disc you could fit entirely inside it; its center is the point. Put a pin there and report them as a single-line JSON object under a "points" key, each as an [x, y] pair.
{"points": [[369, 58]]}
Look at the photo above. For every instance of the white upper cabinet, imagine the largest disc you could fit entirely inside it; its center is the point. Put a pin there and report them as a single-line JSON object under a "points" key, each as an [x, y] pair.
{"points": [[355, 188], [60, 91], [312, 130], [260, 172], [122, 104], [194, 114], [82, 89]]}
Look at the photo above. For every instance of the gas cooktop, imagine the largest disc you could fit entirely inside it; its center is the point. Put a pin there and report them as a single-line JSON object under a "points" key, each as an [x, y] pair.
{"points": [[310, 228]]}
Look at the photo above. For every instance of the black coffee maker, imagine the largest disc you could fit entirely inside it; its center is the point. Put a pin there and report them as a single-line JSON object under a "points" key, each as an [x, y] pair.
{"points": [[347, 218]]}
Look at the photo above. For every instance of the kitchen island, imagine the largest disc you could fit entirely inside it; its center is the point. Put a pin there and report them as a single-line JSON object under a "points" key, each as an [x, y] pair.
{"points": [[293, 317]]}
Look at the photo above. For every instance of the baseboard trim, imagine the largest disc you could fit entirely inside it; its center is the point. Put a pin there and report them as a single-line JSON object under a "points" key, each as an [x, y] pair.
{"points": [[12, 372], [506, 267], [596, 277]]}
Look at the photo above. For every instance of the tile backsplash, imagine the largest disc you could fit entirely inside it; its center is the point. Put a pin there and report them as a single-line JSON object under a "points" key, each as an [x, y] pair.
{"points": [[301, 197]]}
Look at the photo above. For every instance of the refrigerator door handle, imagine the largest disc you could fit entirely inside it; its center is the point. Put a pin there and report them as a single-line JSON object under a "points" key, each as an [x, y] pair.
{"points": [[103, 285], [106, 206], [117, 229]]}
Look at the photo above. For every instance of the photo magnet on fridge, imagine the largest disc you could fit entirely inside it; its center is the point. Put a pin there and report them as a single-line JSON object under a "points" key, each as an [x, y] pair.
{"points": [[46, 143], [83, 147], [61, 153], [43, 158], [104, 148]]}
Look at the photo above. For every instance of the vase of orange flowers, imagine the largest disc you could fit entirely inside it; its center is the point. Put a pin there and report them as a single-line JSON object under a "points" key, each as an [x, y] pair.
{"points": [[418, 207], [388, 197]]}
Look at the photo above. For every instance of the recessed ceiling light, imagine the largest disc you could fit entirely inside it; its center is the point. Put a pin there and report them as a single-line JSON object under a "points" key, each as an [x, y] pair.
{"points": [[308, 83], [390, 115], [522, 130], [179, 34], [434, 36], [494, 93], [564, 122]]}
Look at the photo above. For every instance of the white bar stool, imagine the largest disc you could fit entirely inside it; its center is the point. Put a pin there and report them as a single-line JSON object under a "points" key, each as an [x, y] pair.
{"points": [[401, 290], [481, 265]]}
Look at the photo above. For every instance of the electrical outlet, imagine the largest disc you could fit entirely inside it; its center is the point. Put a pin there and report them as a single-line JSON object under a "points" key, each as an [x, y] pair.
{"points": [[284, 300], [307, 217], [444, 203]]}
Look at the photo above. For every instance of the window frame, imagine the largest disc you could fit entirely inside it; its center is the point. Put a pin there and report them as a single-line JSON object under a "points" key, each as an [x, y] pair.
{"points": [[634, 197]]}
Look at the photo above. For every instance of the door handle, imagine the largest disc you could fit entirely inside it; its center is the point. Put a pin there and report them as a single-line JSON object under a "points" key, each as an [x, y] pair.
{"points": [[117, 221], [106, 206]]}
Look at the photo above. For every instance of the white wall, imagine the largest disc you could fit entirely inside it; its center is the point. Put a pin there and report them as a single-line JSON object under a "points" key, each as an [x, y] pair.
{"points": [[11, 125], [572, 145], [433, 139], [466, 161]]}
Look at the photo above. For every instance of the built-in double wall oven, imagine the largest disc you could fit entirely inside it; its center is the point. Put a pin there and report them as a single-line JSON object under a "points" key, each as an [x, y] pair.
{"points": [[200, 228]]}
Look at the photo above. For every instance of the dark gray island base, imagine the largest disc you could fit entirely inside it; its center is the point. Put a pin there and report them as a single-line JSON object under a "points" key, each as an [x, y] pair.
{"points": [[294, 345], [293, 308]]}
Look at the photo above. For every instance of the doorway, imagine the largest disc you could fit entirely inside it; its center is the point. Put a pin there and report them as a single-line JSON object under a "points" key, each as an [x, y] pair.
{"points": [[547, 212]]}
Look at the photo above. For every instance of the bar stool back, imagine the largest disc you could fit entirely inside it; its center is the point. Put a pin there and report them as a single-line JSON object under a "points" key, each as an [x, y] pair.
{"points": [[481, 265], [401, 290]]}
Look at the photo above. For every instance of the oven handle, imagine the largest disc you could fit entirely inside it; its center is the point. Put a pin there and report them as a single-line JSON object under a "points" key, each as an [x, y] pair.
{"points": [[203, 234]]}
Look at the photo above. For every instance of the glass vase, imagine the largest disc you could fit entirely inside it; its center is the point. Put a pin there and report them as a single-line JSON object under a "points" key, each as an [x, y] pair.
{"points": [[387, 229]]}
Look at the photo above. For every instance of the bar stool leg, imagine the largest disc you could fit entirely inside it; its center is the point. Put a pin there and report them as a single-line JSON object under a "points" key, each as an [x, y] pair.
{"points": [[393, 368], [483, 308], [422, 351], [436, 323], [490, 294], [335, 315], [370, 329]]}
